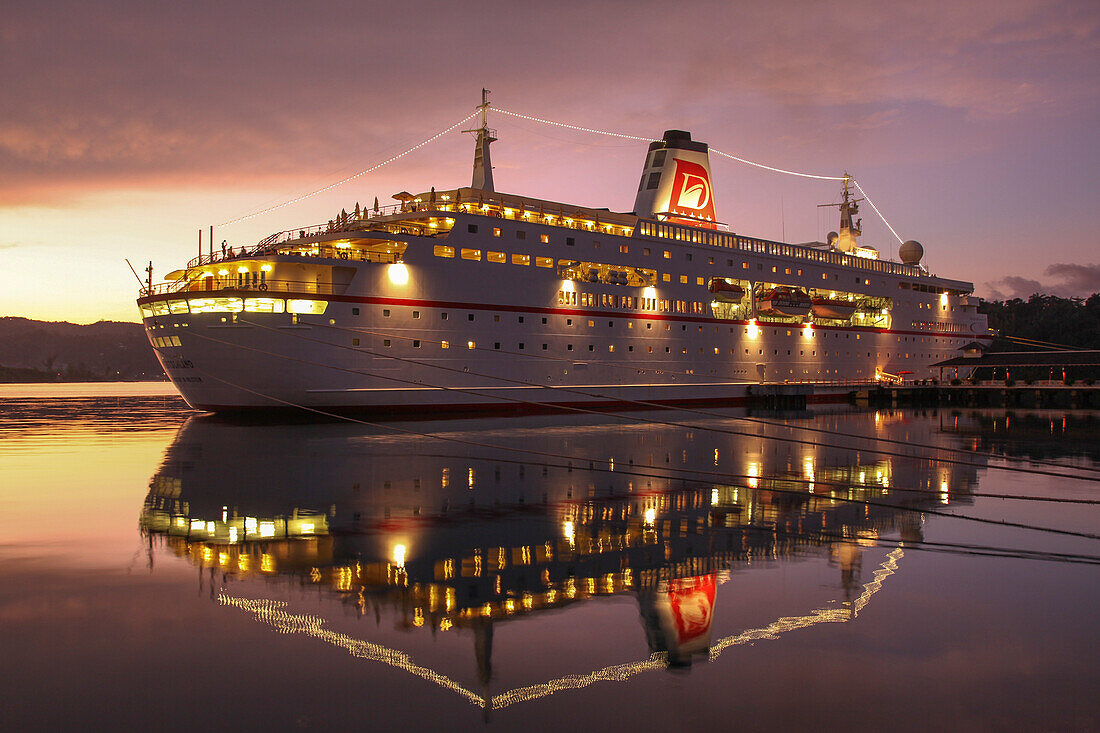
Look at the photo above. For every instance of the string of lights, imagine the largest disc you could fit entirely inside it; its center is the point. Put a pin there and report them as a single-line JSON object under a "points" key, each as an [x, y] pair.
{"points": [[361, 173], [776, 170], [872, 203], [572, 127]]}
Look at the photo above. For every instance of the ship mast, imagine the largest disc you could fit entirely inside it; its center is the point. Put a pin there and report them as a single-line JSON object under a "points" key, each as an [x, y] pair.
{"points": [[847, 238], [483, 164]]}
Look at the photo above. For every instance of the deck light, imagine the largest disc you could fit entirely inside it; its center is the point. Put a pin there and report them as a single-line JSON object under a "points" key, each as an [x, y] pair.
{"points": [[398, 273]]}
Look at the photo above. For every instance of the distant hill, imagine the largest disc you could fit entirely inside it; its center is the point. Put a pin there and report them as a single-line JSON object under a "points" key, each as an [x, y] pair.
{"points": [[47, 351]]}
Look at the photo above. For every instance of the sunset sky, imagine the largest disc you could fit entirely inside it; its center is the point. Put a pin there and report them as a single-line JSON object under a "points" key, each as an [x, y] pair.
{"points": [[125, 127]]}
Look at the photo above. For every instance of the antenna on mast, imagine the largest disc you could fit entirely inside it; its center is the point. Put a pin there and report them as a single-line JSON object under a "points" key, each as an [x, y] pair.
{"points": [[483, 166]]}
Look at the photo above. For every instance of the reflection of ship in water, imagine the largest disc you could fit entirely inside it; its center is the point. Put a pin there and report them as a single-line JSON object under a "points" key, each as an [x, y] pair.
{"points": [[463, 536]]}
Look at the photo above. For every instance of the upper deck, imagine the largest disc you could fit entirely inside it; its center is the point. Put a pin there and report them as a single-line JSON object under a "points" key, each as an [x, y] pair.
{"points": [[433, 214]]}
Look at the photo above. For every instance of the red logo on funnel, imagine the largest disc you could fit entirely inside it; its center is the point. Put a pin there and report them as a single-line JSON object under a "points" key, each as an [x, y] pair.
{"points": [[692, 195]]}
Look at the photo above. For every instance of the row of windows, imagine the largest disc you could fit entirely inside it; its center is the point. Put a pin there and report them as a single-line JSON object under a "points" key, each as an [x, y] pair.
{"points": [[165, 341], [233, 305]]}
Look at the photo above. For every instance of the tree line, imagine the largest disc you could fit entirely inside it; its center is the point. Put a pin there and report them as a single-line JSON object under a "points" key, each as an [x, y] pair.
{"points": [[1067, 321]]}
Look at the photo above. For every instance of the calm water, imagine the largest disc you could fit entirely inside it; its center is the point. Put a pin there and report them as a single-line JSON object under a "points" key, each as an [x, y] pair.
{"points": [[170, 570]]}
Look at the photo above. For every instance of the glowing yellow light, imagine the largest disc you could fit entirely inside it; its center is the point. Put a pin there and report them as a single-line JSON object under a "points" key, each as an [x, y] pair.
{"points": [[753, 329], [445, 624], [242, 563], [649, 292], [265, 268], [943, 298], [399, 555], [307, 528], [242, 269], [754, 472], [398, 273], [568, 531], [223, 273], [249, 524], [470, 344], [714, 497], [223, 558], [232, 534], [650, 516], [267, 529], [567, 286], [267, 563], [418, 616]]}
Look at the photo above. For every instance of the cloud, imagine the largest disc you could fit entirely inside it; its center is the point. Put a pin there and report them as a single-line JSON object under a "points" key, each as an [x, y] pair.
{"points": [[160, 94], [1066, 280]]}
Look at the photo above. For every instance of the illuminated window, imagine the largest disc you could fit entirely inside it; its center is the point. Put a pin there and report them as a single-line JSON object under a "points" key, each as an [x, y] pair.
{"points": [[624, 248], [177, 307], [666, 277], [314, 307], [471, 254], [684, 279], [544, 261], [667, 255], [698, 281], [445, 344], [521, 259], [264, 305], [442, 251], [470, 345], [544, 238], [496, 231], [498, 257], [216, 305]]}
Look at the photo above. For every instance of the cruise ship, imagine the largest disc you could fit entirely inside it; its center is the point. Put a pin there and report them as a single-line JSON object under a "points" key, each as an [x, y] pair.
{"points": [[470, 299]]}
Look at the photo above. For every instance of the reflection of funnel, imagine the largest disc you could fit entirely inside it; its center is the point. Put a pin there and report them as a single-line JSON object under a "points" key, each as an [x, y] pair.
{"points": [[678, 617]]}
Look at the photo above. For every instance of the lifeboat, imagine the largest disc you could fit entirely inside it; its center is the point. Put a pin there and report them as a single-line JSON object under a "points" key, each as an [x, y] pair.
{"points": [[833, 308], [783, 301], [725, 291]]}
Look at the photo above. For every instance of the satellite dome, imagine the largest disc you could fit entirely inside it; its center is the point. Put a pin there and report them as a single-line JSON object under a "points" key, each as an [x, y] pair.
{"points": [[911, 252], [832, 237]]}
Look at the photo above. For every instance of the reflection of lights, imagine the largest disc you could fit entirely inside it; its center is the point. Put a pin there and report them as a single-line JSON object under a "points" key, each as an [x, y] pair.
{"points": [[399, 556], [267, 563], [650, 516], [943, 492], [273, 613], [569, 532], [754, 473], [714, 497]]}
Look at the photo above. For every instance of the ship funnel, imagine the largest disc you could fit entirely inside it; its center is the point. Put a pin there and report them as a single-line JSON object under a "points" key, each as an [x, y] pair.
{"points": [[675, 183]]}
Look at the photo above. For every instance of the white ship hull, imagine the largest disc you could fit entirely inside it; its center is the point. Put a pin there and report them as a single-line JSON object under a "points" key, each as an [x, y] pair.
{"points": [[521, 337]]}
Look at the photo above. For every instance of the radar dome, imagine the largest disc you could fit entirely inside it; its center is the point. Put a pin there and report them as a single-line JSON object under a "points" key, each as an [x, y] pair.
{"points": [[832, 237], [911, 252]]}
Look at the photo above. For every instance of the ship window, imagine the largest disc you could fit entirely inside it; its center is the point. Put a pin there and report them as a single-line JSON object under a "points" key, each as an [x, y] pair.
{"points": [[544, 238], [591, 347], [646, 251], [498, 257], [666, 277], [744, 265], [496, 345], [570, 241], [595, 244], [216, 305], [416, 344], [824, 276], [775, 268], [496, 231], [471, 254], [443, 316], [544, 261], [521, 319], [521, 259], [385, 342], [569, 321], [569, 347], [611, 347], [470, 345], [624, 249], [521, 234], [355, 342], [385, 312], [416, 314], [654, 179], [355, 311], [544, 320], [687, 256], [710, 260], [442, 251], [471, 228], [698, 281], [177, 307], [264, 305], [544, 347], [469, 316], [521, 345], [659, 158], [445, 344], [684, 279]]}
